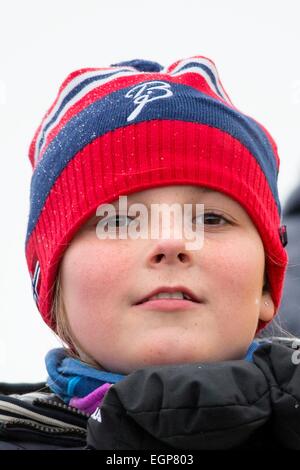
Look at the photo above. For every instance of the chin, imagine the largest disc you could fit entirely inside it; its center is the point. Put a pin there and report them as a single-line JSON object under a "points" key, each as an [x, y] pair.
{"points": [[168, 359]]}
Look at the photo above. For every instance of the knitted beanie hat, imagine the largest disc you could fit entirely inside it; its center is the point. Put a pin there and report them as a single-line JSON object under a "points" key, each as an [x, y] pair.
{"points": [[135, 125]]}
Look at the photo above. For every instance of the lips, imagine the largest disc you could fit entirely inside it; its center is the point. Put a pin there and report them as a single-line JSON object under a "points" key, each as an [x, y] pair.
{"points": [[192, 296]]}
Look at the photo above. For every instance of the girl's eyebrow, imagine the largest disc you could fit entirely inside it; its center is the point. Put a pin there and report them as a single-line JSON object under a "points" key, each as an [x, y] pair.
{"points": [[206, 190], [201, 189]]}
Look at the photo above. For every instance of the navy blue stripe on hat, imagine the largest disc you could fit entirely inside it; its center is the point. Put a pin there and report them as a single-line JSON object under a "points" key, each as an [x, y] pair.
{"points": [[73, 93]]}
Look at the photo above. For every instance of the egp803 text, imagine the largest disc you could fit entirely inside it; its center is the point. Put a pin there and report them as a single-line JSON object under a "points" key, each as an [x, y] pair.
{"points": [[164, 459]]}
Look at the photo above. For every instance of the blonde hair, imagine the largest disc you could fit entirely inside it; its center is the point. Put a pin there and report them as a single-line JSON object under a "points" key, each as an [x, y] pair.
{"points": [[63, 329], [59, 315]]}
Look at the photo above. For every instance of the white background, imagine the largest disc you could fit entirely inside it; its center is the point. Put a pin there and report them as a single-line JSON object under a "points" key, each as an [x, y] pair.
{"points": [[254, 44]]}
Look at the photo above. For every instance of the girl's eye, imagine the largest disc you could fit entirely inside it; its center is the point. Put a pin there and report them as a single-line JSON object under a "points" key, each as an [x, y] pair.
{"points": [[111, 222], [211, 218], [121, 220]]}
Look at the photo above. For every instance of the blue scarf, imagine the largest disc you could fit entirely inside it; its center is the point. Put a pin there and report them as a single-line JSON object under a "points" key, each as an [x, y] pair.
{"points": [[252, 348], [69, 377]]}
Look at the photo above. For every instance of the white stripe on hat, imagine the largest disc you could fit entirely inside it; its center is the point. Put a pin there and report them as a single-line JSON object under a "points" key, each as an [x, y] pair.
{"points": [[73, 83], [35, 280], [219, 91]]}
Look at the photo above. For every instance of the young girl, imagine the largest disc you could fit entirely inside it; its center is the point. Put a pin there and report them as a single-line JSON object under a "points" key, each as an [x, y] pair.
{"points": [[159, 337]]}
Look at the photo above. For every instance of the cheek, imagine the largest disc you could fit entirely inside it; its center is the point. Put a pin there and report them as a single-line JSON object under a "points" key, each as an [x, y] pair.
{"points": [[236, 280], [238, 269], [92, 278], [91, 273]]}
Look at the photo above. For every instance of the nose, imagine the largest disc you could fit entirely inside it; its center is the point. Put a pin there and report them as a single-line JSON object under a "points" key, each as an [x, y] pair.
{"points": [[169, 251]]}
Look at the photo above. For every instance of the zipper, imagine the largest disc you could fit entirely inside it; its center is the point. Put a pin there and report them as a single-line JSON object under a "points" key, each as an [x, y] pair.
{"points": [[61, 406], [26, 430], [17, 422]]}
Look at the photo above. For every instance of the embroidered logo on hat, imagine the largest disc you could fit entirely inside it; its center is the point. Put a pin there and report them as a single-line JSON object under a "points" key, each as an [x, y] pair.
{"points": [[142, 95]]}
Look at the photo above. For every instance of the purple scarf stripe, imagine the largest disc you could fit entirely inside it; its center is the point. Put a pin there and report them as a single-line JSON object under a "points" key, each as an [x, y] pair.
{"points": [[90, 402]]}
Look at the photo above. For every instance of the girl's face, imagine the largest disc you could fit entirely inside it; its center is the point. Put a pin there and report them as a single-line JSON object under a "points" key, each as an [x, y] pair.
{"points": [[102, 281]]}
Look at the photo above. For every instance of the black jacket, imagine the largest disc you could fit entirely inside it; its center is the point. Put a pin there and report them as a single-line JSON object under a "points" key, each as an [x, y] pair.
{"points": [[225, 405]]}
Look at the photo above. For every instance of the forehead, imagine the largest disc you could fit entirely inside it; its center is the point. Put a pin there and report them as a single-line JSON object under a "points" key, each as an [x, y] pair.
{"points": [[185, 193]]}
